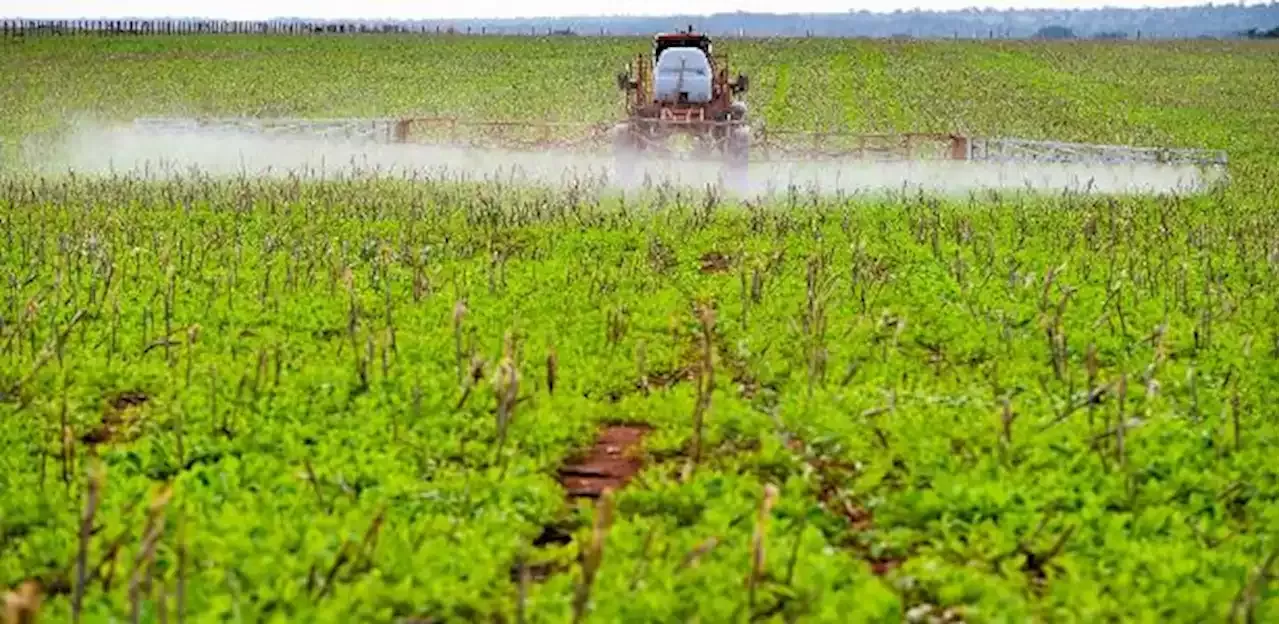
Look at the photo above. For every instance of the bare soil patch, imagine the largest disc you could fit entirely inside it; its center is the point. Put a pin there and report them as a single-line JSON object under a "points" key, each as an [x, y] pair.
{"points": [[714, 262], [129, 398], [117, 418], [611, 462]]}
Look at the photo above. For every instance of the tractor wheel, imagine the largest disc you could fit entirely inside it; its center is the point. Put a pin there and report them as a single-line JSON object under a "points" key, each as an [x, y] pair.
{"points": [[626, 151], [737, 151], [704, 145], [738, 145]]}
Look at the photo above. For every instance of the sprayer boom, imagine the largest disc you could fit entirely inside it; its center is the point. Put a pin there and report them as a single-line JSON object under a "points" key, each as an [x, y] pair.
{"points": [[680, 102], [770, 145]]}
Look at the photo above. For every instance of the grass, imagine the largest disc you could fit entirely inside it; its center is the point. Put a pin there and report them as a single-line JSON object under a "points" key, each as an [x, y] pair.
{"points": [[278, 400]]}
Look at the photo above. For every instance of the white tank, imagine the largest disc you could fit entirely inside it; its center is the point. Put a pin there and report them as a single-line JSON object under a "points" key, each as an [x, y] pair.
{"points": [[682, 70]]}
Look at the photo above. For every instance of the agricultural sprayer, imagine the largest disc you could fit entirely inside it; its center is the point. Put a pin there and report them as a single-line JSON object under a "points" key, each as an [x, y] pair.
{"points": [[681, 102]]}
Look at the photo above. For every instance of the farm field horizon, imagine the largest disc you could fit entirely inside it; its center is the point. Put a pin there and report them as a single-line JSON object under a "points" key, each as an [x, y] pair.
{"points": [[400, 399]]}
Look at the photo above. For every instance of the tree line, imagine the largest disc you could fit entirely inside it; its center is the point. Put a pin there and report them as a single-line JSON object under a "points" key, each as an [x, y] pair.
{"points": [[1209, 20]]}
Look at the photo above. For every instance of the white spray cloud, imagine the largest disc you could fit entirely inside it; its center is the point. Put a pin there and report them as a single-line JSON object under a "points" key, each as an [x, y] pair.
{"points": [[90, 149]]}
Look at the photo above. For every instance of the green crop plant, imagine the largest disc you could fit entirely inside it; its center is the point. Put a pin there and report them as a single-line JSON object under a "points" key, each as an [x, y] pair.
{"points": [[301, 400]]}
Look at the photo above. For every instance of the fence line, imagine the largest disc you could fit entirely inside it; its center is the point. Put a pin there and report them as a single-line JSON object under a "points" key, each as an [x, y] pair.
{"points": [[32, 27]]}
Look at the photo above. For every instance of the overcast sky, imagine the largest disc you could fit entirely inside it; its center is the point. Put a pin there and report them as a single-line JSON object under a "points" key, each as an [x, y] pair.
{"points": [[426, 9]]}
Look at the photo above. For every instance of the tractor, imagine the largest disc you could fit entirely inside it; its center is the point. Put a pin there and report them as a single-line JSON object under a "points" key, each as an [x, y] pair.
{"points": [[682, 89]]}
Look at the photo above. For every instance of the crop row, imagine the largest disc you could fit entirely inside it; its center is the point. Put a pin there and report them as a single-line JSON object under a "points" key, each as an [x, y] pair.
{"points": [[1053, 408]]}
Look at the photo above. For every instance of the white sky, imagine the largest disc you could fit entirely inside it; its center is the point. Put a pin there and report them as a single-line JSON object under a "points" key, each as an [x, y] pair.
{"points": [[429, 9]]}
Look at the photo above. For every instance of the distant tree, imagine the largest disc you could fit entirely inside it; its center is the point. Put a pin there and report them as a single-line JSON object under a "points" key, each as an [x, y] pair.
{"points": [[1255, 33], [1114, 34], [1055, 32]]}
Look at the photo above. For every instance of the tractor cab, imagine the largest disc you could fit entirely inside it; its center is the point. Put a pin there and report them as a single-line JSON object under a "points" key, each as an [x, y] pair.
{"points": [[683, 68], [681, 77], [686, 39]]}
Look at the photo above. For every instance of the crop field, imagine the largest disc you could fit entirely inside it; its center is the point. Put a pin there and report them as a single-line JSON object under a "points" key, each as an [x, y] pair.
{"points": [[396, 400]]}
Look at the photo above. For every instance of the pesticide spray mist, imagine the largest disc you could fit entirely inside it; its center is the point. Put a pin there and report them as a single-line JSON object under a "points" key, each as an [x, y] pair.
{"points": [[170, 152]]}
